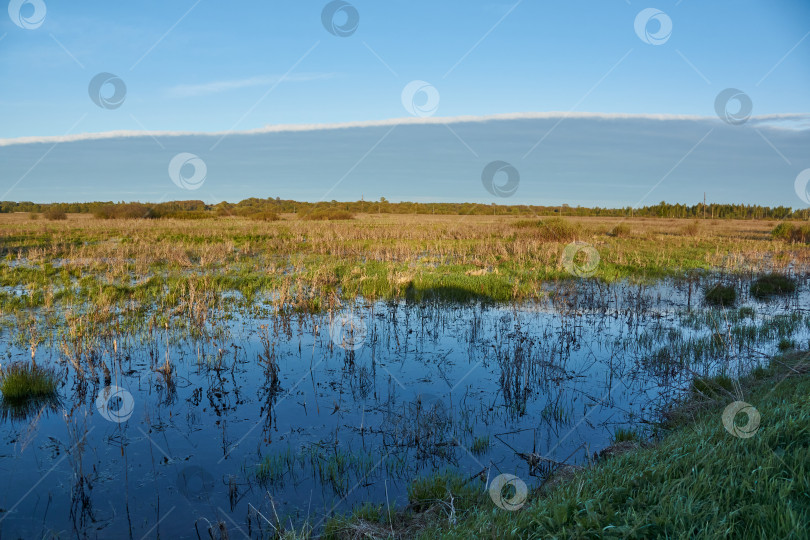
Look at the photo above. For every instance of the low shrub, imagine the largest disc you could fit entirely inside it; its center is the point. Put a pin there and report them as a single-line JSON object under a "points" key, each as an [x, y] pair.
{"points": [[622, 230], [54, 214], [125, 211], [264, 216], [552, 229], [327, 214], [789, 232]]}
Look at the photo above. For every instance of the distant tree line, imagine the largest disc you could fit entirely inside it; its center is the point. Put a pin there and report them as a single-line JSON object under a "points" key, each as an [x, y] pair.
{"points": [[255, 206]]}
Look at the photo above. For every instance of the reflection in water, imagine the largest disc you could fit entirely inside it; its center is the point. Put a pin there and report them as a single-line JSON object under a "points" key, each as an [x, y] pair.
{"points": [[240, 421], [30, 409]]}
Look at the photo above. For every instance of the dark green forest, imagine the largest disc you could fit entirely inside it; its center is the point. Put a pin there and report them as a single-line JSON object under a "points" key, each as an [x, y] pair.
{"points": [[195, 209]]}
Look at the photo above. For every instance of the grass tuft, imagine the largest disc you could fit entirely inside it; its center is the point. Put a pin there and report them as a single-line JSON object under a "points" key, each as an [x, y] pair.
{"points": [[622, 230], [772, 285], [20, 382], [721, 295]]}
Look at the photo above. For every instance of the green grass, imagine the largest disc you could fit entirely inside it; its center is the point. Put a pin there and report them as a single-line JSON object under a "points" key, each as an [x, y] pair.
{"points": [[480, 445], [772, 285], [624, 435], [698, 481], [721, 295], [273, 467], [20, 382], [792, 233], [713, 387]]}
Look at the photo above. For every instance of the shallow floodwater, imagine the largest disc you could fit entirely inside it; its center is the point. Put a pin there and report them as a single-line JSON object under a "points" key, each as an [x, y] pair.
{"points": [[366, 400]]}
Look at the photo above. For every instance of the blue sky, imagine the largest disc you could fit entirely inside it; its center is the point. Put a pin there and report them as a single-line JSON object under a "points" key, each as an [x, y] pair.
{"points": [[208, 66]]}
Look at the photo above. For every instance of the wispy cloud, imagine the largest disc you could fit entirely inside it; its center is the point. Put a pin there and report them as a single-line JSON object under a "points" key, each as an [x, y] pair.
{"points": [[217, 87], [787, 121]]}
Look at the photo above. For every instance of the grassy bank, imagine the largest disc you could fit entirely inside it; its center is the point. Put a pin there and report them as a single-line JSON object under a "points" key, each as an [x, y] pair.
{"points": [[698, 481]]}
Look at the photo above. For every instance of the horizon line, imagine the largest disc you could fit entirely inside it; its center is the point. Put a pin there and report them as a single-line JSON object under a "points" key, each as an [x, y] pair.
{"points": [[398, 202], [438, 120]]}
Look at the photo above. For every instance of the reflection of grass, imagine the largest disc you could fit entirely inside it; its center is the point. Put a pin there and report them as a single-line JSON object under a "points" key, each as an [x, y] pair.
{"points": [[699, 481]]}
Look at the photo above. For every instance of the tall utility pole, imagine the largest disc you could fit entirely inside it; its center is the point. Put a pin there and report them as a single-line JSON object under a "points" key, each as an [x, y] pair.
{"points": [[704, 205]]}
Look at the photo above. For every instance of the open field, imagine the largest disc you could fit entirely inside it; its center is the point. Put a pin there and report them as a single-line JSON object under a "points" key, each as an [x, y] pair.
{"points": [[376, 256]]}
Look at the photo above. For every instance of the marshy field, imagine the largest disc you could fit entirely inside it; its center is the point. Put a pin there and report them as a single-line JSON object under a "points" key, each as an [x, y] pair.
{"points": [[398, 376]]}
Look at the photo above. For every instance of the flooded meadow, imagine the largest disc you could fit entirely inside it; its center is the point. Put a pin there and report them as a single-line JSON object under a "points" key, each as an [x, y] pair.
{"points": [[252, 418]]}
